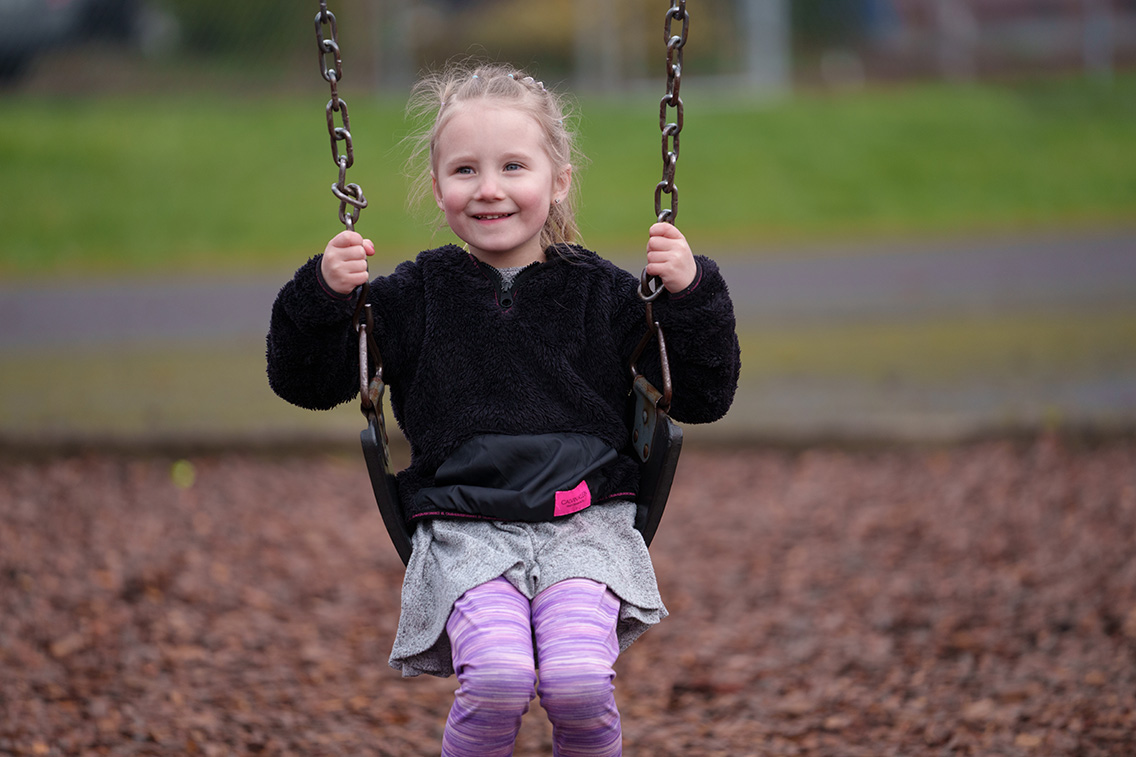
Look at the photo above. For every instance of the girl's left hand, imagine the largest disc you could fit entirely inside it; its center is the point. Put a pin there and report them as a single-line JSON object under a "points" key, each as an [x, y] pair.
{"points": [[669, 257]]}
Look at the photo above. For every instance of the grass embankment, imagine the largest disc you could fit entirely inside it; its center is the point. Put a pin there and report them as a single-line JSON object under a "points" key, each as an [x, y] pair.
{"points": [[210, 182]]}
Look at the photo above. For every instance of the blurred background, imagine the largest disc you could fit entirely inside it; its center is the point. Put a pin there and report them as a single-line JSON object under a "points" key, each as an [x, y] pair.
{"points": [[74, 45], [926, 209]]}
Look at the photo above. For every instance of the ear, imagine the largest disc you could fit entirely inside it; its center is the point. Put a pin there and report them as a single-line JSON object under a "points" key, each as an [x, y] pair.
{"points": [[437, 190], [561, 183]]}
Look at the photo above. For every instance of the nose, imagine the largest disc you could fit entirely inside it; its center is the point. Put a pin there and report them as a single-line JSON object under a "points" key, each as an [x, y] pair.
{"points": [[488, 187]]}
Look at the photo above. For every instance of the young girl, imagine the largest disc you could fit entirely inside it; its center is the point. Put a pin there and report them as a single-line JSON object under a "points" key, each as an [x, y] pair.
{"points": [[507, 366]]}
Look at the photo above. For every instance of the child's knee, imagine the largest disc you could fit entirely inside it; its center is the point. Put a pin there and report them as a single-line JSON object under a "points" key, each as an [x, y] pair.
{"points": [[577, 688], [497, 686]]}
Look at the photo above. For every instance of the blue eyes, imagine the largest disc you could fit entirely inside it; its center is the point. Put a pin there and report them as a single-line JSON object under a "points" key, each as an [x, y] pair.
{"points": [[469, 169]]}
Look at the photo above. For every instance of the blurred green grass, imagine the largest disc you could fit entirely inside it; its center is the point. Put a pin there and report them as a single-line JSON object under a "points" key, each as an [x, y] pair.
{"points": [[208, 182]]}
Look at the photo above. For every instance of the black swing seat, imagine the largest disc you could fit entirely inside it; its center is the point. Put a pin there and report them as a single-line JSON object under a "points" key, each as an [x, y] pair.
{"points": [[377, 453], [657, 442], [655, 438]]}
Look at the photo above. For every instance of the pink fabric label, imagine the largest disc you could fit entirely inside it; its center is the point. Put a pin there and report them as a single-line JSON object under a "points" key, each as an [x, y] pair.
{"points": [[573, 501]]}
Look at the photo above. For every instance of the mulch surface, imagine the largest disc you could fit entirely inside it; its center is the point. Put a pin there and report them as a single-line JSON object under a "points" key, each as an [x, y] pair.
{"points": [[977, 599]]}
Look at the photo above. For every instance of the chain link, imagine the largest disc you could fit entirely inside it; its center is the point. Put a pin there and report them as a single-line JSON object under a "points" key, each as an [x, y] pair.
{"points": [[348, 194]]}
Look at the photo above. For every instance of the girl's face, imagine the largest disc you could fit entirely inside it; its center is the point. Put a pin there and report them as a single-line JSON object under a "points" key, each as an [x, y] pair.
{"points": [[495, 182]]}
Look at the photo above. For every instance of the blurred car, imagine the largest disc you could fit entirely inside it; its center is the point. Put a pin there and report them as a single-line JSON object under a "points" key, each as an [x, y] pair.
{"points": [[31, 27]]}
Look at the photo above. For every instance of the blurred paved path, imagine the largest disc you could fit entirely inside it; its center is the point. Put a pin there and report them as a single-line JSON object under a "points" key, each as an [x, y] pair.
{"points": [[940, 278], [821, 284]]}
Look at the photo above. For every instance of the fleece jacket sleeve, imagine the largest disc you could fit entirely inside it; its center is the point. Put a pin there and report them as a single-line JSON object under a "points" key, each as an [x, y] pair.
{"points": [[312, 351]]}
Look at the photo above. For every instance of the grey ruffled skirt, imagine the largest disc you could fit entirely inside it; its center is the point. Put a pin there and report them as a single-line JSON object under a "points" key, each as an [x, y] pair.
{"points": [[450, 557]]}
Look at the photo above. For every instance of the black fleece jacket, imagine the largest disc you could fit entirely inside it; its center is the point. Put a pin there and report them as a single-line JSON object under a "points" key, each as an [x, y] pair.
{"points": [[463, 357]]}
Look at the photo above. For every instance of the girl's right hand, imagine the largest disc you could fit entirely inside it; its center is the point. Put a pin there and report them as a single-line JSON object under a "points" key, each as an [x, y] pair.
{"points": [[344, 264]]}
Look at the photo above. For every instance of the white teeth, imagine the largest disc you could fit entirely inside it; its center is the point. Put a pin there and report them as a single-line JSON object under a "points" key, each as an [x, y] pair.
{"points": [[493, 217]]}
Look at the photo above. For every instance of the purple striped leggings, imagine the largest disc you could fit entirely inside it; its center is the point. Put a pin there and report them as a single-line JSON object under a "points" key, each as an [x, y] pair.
{"points": [[492, 629]]}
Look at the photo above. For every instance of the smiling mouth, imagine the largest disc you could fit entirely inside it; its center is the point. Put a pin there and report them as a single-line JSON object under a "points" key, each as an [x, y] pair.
{"points": [[492, 216]]}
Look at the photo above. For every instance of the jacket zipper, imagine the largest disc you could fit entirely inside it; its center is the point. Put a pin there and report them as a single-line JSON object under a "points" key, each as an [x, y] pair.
{"points": [[505, 298]]}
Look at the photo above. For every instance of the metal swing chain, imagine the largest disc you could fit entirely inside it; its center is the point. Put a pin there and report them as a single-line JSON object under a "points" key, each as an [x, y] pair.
{"points": [[650, 287], [670, 130], [349, 194]]}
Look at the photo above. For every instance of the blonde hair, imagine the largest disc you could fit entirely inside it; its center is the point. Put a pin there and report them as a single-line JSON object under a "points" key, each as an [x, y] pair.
{"points": [[433, 98]]}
